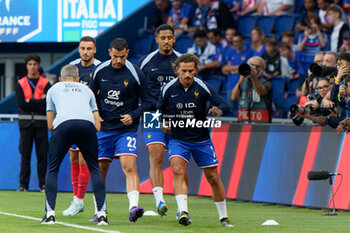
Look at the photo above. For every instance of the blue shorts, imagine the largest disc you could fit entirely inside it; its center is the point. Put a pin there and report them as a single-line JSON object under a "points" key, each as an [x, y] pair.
{"points": [[203, 153], [113, 145], [74, 148], [155, 136]]}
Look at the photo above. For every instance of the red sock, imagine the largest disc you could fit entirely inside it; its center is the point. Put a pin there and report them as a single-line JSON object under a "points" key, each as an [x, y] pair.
{"points": [[84, 177], [74, 173]]}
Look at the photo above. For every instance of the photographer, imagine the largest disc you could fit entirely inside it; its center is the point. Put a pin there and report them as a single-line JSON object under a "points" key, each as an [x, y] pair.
{"points": [[253, 92], [344, 125]]}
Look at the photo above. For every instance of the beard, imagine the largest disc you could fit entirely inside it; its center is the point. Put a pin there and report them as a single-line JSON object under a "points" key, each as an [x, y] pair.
{"points": [[167, 51]]}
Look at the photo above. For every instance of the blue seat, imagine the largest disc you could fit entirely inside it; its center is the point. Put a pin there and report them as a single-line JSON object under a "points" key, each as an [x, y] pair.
{"points": [[293, 84], [298, 6], [284, 23], [266, 23], [245, 24], [291, 99], [214, 81], [143, 45], [278, 84], [183, 43], [223, 95]]}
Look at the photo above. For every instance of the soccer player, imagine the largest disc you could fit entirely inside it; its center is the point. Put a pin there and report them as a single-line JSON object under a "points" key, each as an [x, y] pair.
{"points": [[79, 171], [73, 118], [157, 67], [184, 100], [118, 86]]}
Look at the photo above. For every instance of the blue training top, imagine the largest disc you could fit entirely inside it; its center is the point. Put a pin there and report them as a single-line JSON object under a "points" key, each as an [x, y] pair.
{"points": [[117, 93], [84, 72]]}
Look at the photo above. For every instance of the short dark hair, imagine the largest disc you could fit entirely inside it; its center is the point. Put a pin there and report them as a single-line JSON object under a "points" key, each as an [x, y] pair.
{"points": [[271, 41], [237, 34], [186, 58], [88, 39], [344, 56], [288, 33], [335, 8], [200, 33], [32, 57], [164, 27], [118, 44], [284, 45], [347, 79], [215, 31]]}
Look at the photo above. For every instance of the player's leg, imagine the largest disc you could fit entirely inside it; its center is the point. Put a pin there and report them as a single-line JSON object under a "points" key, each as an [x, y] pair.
{"points": [[179, 157], [84, 177], [41, 148], [58, 147], [204, 155], [25, 148], [89, 149], [77, 204], [125, 149]]}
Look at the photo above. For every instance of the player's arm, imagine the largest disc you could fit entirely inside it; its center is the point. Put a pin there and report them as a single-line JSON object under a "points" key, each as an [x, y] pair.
{"points": [[97, 120], [94, 85], [220, 107], [50, 115], [142, 92]]}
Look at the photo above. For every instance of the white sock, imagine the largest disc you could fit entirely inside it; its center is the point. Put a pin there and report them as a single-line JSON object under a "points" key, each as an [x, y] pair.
{"points": [[133, 198], [158, 195], [181, 201], [95, 203], [79, 201], [101, 213], [75, 199], [221, 206], [50, 212]]}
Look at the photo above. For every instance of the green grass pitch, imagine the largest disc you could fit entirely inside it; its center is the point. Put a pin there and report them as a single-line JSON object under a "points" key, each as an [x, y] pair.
{"points": [[246, 216]]}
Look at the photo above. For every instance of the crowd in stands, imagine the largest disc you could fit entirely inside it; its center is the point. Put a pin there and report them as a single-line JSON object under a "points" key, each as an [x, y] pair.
{"points": [[289, 35]]}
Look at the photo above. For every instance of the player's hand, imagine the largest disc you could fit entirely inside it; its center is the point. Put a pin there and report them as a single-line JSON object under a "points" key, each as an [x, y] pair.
{"points": [[165, 127], [215, 111], [126, 119]]}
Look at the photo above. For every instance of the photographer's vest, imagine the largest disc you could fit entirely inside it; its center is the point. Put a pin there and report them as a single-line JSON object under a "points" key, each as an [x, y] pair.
{"points": [[258, 109]]}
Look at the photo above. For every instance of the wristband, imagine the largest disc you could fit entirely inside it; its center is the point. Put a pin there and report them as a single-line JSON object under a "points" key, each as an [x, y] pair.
{"points": [[338, 80]]}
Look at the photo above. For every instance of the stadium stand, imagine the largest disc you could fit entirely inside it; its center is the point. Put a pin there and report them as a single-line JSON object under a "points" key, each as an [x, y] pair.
{"points": [[245, 24], [267, 24]]}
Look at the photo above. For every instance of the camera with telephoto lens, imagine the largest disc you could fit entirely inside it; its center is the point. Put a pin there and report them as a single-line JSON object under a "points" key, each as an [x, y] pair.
{"points": [[321, 71], [298, 119], [244, 69]]}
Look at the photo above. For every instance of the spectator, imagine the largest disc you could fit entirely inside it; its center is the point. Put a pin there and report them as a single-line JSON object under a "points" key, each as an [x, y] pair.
{"points": [[289, 62], [198, 21], [334, 14], [310, 43], [258, 41], [179, 16], [162, 12], [308, 9], [249, 7], [234, 54], [276, 7], [322, 14], [218, 15], [207, 54], [288, 37], [272, 59], [31, 101], [254, 93], [215, 37], [345, 48]]}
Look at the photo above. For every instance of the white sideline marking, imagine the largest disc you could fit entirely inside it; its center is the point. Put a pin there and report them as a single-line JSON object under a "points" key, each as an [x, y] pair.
{"points": [[61, 223]]}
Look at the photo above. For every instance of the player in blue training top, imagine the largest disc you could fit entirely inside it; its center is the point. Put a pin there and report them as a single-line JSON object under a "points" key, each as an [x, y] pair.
{"points": [[184, 111], [157, 67], [118, 86], [79, 171], [73, 118]]}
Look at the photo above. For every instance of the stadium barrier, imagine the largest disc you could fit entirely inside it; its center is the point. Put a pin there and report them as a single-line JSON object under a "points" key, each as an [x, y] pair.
{"points": [[261, 163]]}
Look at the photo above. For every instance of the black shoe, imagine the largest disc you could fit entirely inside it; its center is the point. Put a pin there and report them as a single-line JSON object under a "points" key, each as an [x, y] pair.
{"points": [[184, 218], [102, 221], [48, 220], [22, 189], [225, 222]]}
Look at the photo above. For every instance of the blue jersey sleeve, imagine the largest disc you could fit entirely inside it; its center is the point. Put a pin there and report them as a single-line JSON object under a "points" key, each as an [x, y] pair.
{"points": [[142, 93], [218, 101], [93, 82]]}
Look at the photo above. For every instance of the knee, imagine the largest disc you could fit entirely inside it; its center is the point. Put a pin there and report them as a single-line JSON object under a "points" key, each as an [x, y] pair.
{"points": [[129, 168], [156, 159], [179, 171], [213, 180]]}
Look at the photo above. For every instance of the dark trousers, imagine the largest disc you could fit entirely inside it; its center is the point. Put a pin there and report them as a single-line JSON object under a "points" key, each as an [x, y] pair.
{"points": [[39, 136], [83, 134]]}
